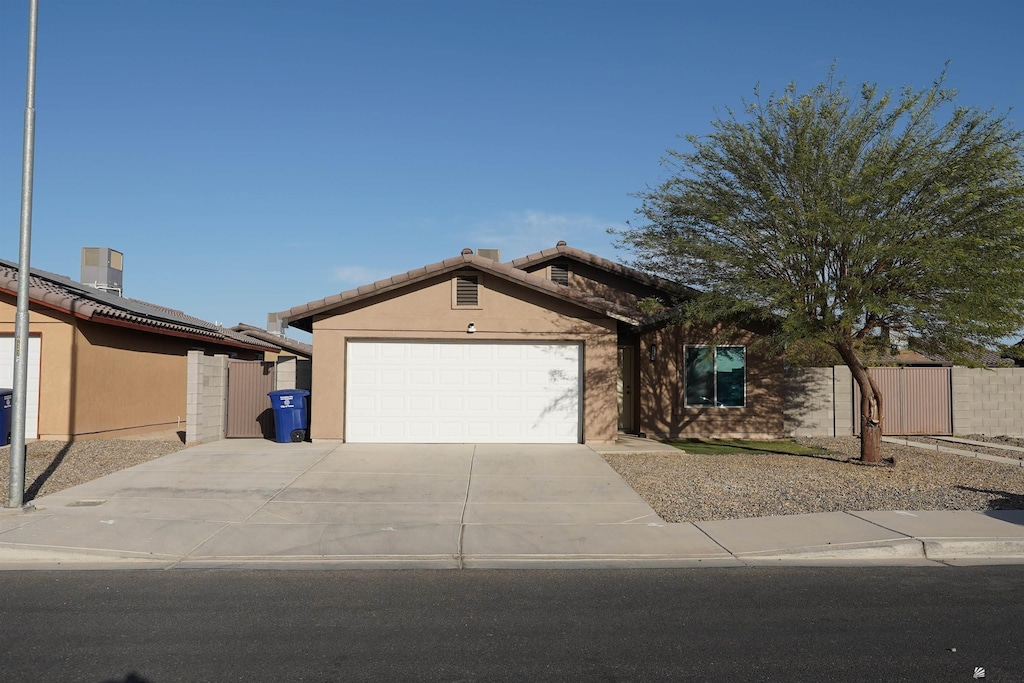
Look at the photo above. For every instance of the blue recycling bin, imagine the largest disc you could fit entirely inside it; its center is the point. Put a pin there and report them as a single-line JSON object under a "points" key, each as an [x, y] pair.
{"points": [[6, 395], [290, 419]]}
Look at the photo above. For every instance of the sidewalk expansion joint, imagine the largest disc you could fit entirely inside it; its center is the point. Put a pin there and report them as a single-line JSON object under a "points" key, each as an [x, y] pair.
{"points": [[465, 504]]}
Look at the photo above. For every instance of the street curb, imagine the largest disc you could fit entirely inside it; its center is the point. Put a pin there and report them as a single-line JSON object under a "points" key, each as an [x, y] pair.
{"points": [[956, 548], [909, 548]]}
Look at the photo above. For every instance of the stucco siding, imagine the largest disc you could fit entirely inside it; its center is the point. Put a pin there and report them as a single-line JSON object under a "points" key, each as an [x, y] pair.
{"points": [[506, 312], [127, 381], [663, 410], [56, 333], [601, 283], [99, 380]]}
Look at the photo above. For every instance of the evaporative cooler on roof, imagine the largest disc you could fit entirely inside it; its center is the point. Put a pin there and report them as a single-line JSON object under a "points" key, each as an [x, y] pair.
{"points": [[103, 268]]}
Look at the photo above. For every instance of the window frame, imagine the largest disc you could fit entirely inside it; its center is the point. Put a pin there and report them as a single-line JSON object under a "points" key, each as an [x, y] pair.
{"points": [[715, 403]]}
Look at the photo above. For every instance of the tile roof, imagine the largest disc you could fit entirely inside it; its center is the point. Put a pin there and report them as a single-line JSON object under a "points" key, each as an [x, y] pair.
{"points": [[563, 250], [303, 314], [986, 357], [64, 294], [284, 343]]}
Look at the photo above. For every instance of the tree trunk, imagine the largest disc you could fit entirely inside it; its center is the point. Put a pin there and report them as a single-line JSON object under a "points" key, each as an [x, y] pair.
{"points": [[870, 407]]}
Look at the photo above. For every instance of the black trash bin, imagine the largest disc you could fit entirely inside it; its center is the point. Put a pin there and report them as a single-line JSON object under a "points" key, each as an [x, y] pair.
{"points": [[290, 418], [6, 396]]}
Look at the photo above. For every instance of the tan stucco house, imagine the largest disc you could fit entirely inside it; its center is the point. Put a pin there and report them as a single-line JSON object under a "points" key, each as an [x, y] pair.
{"points": [[551, 347], [103, 365]]}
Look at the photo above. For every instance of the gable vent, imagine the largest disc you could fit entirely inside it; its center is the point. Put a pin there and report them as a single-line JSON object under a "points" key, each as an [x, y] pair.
{"points": [[467, 290], [560, 274]]}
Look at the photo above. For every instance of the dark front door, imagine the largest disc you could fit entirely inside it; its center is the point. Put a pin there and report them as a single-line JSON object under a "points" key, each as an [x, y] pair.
{"points": [[627, 389]]}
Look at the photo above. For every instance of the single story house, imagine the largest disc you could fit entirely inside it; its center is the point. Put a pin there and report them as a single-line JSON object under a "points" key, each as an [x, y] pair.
{"points": [[550, 347], [285, 346], [104, 365]]}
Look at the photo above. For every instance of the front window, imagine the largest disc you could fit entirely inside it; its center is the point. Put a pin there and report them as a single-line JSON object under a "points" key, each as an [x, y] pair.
{"points": [[716, 376]]}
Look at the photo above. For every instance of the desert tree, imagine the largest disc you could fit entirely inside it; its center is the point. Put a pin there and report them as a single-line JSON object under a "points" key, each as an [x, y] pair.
{"points": [[838, 217]]}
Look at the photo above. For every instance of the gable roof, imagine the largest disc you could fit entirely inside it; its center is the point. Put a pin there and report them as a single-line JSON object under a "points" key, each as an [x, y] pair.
{"points": [[61, 293], [302, 316], [284, 343], [562, 250]]}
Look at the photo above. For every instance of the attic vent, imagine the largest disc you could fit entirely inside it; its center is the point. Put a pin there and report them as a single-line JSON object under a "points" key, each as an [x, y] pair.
{"points": [[467, 290], [560, 274]]}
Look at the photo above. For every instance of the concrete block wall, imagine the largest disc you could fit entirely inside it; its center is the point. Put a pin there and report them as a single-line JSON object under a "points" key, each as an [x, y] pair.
{"points": [[809, 405], [206, 410], [843, 400], [293, 373], [819, 401], [284, 375], [988, 401]]}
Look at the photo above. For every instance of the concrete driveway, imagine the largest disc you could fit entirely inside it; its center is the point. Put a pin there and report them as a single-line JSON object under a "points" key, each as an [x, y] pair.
{"points": [[254, 502]]}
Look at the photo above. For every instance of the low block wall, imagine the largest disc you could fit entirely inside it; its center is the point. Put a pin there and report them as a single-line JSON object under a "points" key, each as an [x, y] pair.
{"points": [[988, 401], [819, 401], [294, 373], [207, 401]]}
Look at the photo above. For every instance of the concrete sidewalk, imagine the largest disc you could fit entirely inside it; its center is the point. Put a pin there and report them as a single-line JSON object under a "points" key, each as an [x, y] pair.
{"points": [[252, 503]]}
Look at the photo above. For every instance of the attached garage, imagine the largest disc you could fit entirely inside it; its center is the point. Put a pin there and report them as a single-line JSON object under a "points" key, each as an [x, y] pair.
{"points": [[453, 392], [7, 379]]}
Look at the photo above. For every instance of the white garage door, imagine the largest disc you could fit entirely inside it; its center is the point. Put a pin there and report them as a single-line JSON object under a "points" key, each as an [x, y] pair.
{"points": [[7, 380], [421, 392]]}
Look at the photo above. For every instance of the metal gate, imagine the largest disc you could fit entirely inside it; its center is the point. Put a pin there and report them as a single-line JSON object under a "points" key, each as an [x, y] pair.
{"points": [[249, 411], [914, 401]]}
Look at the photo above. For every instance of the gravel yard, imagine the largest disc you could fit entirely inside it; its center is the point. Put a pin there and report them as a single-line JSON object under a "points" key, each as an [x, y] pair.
{"points": [[52, 466], [685, 487], [995, 446]]}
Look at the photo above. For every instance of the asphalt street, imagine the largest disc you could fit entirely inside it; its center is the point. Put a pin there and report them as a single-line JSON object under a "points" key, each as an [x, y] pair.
{"points": [[737, 624]]}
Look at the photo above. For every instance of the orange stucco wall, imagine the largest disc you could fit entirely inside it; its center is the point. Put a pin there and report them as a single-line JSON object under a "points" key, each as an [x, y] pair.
{"points": [[56, 340], [98, 380], [662, 409], [507, 312]]}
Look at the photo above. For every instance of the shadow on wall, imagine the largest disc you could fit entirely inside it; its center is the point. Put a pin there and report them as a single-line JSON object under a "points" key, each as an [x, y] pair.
{"points": [[807, 405], [664, 413]]}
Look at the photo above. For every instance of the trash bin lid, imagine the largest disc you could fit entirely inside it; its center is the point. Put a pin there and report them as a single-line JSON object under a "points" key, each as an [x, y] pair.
{"points": [[286, 392]]}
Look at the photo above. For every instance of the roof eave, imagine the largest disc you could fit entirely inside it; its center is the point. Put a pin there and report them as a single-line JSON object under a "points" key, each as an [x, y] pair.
{"points": [[303, 319]]}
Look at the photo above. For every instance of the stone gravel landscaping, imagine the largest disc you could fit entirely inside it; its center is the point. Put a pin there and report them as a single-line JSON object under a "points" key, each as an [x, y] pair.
{"points": [[52, 466], [688, 487]]}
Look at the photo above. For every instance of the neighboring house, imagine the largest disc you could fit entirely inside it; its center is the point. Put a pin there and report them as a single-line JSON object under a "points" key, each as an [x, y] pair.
{"points": [[911, 358], [287, 347], [103, 365], [551, 347]]}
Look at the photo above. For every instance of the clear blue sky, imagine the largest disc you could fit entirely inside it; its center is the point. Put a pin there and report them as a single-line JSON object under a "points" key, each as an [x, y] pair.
{"points": [[252, 155]]}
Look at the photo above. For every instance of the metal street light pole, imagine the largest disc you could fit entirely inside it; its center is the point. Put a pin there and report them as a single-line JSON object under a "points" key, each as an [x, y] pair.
{"points": [[17, 482]]}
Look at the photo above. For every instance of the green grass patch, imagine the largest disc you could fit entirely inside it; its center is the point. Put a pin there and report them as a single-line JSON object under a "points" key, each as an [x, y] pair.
{"points": [[713, 446]]}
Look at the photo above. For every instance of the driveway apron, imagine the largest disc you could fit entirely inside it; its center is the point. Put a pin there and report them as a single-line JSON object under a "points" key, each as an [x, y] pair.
{"points": [[254, 502]]}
